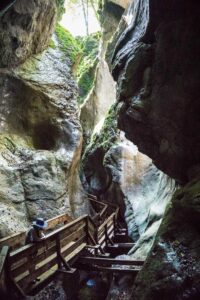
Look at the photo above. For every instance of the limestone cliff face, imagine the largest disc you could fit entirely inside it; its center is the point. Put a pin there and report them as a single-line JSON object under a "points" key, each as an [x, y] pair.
{"points": [[24, 30], [112, 167], [156, 65], [103, 93], [146, 192], [40, 133]]}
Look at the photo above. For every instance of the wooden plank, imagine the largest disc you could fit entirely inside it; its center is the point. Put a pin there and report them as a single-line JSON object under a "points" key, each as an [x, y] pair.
{"points": [[110, 261], [13, 240], [64, 218], [45, 251], [31, 248], [24, 282], [76, 252], [110, 231], [15, 271], [106, 222], [74, 228], [63, 229], [116, 270], [80, 232], [65, 252], [104, 210], [72, 251]]}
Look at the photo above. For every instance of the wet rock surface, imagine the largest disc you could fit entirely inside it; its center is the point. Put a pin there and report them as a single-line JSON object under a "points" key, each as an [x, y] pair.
{"points": [[156, 66], [172, 268], [23, 30]]}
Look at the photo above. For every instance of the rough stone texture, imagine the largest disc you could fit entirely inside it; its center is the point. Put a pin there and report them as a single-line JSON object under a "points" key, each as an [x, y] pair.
{"points": [[156, 65], [145, 191], [103, 93], [172, 270], [40, 140], [95, 177], [98, 102], [25, 29]]}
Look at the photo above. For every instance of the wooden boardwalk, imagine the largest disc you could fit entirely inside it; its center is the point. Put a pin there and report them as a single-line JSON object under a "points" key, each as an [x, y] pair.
{"points": [[27, 269]]}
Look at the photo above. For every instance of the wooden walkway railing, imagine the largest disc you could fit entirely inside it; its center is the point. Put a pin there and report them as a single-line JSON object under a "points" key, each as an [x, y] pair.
{"points": [[18, 239], [59, 248]]}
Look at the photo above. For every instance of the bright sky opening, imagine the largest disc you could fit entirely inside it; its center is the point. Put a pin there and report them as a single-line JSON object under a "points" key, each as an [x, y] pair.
{"points": [[73, 20]]}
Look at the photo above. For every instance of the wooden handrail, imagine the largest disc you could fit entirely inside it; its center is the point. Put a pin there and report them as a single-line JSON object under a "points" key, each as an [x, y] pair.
{"points": [[98, 202], [60, 230], [65, 241], [106, 221], [18, 239]]}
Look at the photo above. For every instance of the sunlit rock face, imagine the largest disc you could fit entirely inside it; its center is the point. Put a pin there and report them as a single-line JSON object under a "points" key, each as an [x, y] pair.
{"points": [[24, 30], [156, 65], [98, 102], [103, 93], [40, 141], [146, 192]]}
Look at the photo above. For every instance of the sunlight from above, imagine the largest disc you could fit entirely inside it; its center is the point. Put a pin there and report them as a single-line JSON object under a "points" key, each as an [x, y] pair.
{"points": [[73, 20]]}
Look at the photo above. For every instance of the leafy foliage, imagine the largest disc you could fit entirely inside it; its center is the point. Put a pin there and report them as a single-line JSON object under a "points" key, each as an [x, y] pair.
{"points": [[68, 44], [81, 49], [61, 8], [87, 66]]}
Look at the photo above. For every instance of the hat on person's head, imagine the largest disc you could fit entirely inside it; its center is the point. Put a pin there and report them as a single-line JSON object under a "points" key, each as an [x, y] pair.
{"points": [[40, 223]]}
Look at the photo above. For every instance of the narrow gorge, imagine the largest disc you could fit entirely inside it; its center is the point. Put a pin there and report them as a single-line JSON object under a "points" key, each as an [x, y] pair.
{"points": [[98, 125]]}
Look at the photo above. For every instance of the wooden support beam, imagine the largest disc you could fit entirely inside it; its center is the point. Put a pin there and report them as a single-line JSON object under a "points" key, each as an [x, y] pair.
{"points": [[132, 270], [124, 246], [109, 261]]}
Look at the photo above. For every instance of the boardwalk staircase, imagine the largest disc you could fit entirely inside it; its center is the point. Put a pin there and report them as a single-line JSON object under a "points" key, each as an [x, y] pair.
{"points": [[86, 243]]}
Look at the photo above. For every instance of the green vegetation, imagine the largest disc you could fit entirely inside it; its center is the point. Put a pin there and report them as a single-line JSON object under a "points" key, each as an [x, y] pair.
{"points": [[52, 44], [82, 52], [109, 132], [61, 9], [68, 44], [86, 69]]}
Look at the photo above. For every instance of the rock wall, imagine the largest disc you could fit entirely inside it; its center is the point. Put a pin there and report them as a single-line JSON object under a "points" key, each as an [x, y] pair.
{"points": [[24, 30], [146, 192], [40, 132], [156, 66], [173, 266], [103, 94]]}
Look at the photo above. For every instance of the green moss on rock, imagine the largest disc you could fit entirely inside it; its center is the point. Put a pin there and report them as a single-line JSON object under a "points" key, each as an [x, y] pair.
{"points": [[83, 52], [86, 68], [108, 135], [52, 44], [68, 44]]}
